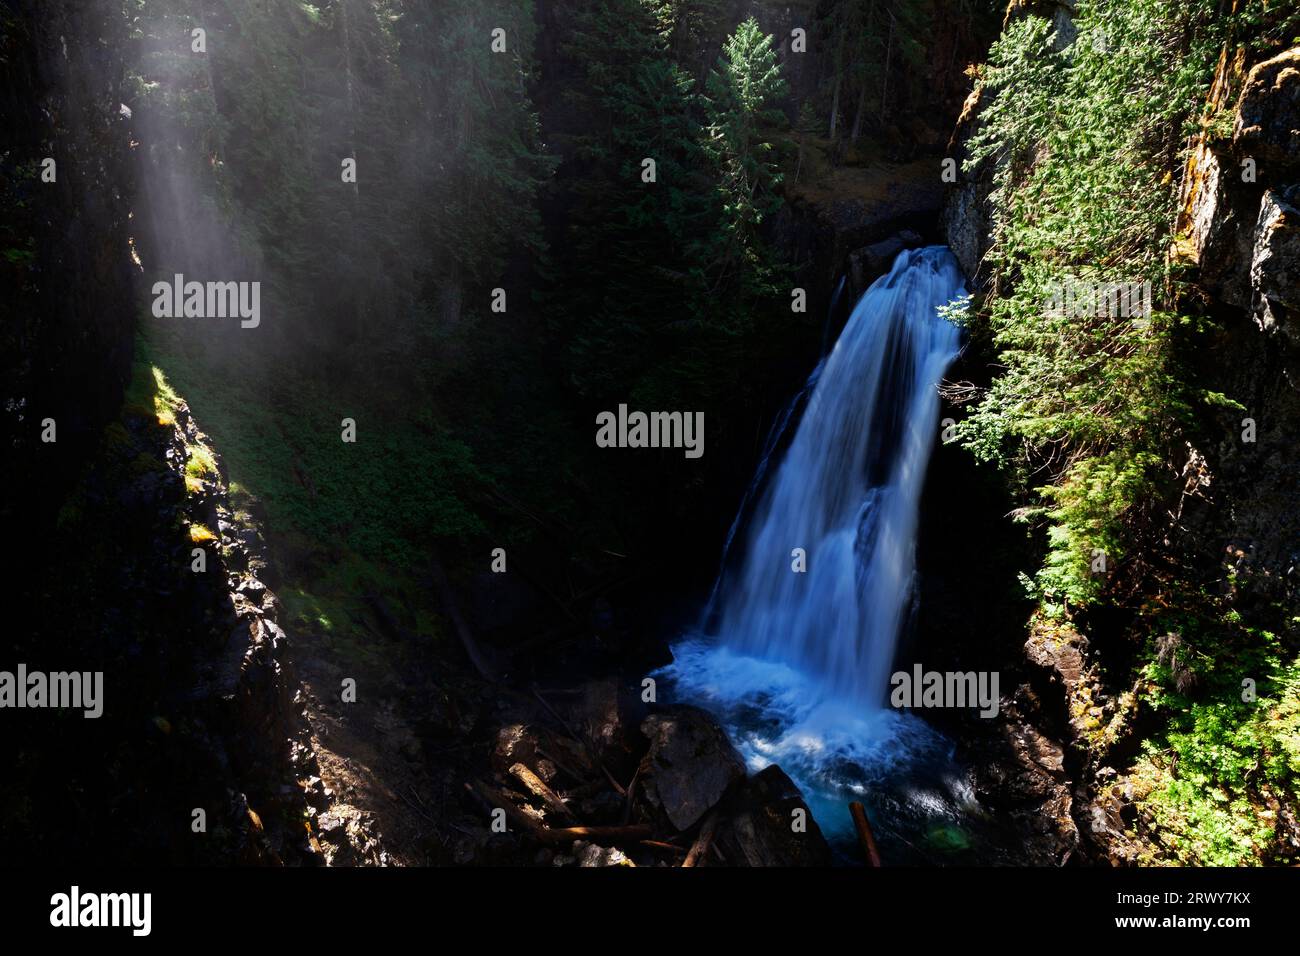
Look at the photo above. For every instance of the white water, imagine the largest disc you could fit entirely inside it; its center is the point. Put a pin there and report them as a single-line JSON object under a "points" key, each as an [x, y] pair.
{"points": [[798, 664]]}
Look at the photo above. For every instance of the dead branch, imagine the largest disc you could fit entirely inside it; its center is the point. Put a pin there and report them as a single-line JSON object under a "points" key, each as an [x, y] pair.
{"points": [[538, 788]]}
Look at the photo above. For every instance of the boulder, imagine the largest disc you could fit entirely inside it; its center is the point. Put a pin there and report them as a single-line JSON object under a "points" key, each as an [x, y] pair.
{"points": [[871, 262], [762, 829], [690, 765]]}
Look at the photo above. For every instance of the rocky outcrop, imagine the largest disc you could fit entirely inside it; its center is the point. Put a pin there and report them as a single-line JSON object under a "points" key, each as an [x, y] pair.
{"points": [[1267, 125], [1240, 231], [871, 262], [1238, 221], [1275, 263], [202, 755], [822, 228]]}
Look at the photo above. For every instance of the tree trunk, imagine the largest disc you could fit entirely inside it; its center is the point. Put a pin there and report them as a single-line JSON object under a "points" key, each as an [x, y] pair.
{"points": [[835, 97], [857, 116], [889, 48]]}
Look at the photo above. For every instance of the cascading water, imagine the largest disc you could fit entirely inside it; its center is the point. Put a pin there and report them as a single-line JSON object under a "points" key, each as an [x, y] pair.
{"points": [[802, 633]]}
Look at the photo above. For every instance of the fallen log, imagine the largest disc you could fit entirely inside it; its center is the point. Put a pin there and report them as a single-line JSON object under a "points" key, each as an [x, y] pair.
{"points": [[865, 836], [633, 833]]}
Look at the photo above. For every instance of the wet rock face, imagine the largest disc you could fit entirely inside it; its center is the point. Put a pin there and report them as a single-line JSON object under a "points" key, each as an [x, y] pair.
{"points": [[690, 764]]}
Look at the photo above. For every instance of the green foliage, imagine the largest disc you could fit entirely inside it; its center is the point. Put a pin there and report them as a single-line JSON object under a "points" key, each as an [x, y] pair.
{"points": [[741, 112], [478, 129], [1090, 413], [685, 25], [291, 457], [1079, 142], [1223, 766], [661, 278], [876, 56]]}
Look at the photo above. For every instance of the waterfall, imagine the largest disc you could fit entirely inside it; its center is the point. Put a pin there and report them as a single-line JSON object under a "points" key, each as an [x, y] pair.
{"points": [[848, 490], [797, 662]]}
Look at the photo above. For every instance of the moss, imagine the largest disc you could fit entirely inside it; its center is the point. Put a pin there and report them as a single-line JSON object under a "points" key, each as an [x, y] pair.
{"points": [[200, 462], [148, 395], [199, 534]]}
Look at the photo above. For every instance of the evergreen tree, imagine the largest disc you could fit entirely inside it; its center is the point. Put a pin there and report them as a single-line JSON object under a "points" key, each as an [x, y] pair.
{"points": [[742, 119]]}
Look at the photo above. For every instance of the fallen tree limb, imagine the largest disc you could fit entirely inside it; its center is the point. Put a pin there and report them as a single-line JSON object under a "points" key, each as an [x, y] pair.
{"points": [[633, 833], [865, 836]]}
